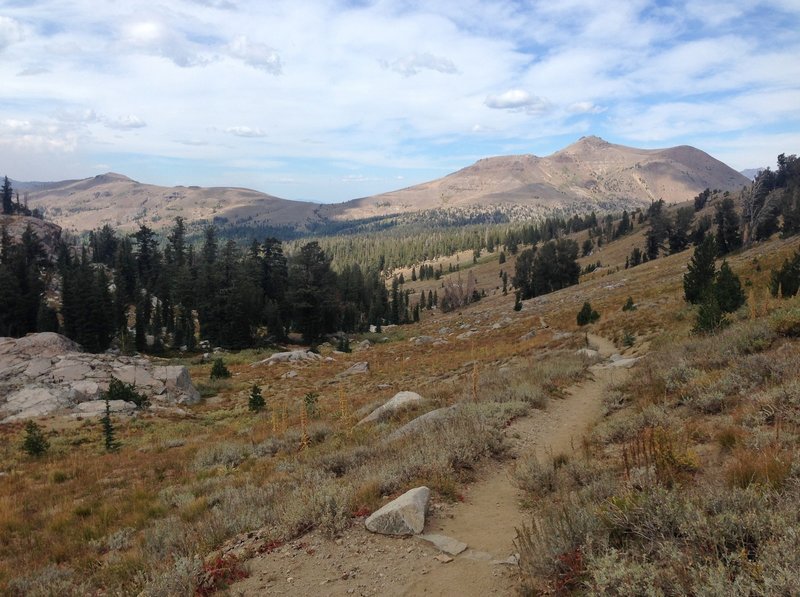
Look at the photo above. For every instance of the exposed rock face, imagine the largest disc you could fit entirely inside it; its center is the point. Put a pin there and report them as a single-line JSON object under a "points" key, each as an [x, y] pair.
{"points": [[402, 516], [46, 373], [400, 400]]}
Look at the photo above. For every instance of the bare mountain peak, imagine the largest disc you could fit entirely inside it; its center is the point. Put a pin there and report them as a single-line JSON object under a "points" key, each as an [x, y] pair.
{"points": [[591, 173]]}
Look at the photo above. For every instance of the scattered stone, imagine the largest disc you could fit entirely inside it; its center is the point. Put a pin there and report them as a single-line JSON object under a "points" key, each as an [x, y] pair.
{"points": [[528, 336], [356, 369], [363, 345], [512, 560], [562, 335], [421, 340], [404, 515], [589, 353], [467, 335], [444, 559], [289, 374], [398, 401], [446, 544]]}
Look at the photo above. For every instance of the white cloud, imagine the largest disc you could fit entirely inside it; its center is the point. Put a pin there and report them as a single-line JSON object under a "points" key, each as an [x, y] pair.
{"points": [[398, 88], [245, 131], [585, 108], [128, 122], [519, 101], [11, 31], [414, 63], [257, 55]]}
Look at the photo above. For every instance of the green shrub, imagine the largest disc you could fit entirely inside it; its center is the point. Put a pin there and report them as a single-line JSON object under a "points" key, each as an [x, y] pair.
{"points": [[786, 322], [344, 344], [629, 305], [119, 390], [785, 281], [710, 317]]}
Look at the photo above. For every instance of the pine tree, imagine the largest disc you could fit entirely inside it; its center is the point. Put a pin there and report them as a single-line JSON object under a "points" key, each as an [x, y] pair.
{"points": [[729, 237], [587, 315], [8, 203], [728, 289], [786, 280], [710, 317], [109, 434], [219, 370], [701, 268], [35, 443], [256, 402]]}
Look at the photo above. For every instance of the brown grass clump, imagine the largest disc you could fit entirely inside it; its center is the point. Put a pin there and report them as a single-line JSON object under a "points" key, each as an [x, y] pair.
{"points": [[769, 468]]}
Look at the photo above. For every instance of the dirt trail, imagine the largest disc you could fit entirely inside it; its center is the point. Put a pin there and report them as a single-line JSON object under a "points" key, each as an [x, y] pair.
{"points": [[488, 518], [365, 564]]}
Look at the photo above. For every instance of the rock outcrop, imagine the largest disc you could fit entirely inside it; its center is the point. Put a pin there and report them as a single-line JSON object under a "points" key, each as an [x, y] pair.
{"points": [[359, 368], [402, 516], [46, 373], [429, 418], [400, 400], [292, 356]]}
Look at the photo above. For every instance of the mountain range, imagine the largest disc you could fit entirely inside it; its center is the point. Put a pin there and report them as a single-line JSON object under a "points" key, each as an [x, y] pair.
{"points": [[588, 174]]}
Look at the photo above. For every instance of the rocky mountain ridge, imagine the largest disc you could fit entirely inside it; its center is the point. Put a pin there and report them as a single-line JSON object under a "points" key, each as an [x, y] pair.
{"points": [[589, 174]]}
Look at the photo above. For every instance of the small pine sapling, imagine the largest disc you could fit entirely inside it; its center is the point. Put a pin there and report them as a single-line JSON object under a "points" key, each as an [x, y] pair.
{"points": [[256, 402], [587, 315], [109, 434], [219, 370], [629, 305], [35, 443]]}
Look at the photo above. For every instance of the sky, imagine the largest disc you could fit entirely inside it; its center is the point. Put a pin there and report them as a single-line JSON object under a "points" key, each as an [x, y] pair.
{"points": [[335, 99]]}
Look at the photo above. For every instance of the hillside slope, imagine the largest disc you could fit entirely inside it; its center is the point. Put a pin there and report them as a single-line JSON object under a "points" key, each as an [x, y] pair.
{"points": [[117, 200], [591, 172]]}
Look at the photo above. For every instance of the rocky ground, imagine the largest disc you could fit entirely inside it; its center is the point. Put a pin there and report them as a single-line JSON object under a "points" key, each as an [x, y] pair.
{"points": [[46, 373]]}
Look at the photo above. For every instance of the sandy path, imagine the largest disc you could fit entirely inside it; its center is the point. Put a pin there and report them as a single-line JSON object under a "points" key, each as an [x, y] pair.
{"points": [[365, 564]]}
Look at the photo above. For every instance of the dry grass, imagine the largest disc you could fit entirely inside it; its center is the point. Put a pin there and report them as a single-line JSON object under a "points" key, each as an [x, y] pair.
{"points": [[700, 450], [81, 521]]}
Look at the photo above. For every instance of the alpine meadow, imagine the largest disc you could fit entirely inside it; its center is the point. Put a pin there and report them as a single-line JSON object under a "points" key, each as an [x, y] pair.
{"points": [[517, 311]]}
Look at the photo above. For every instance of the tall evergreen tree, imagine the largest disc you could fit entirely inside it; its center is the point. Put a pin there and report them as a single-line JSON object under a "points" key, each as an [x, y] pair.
{"points": [[311, 284], [8, 199], [698, 280], [728, 289], [729, 237]]}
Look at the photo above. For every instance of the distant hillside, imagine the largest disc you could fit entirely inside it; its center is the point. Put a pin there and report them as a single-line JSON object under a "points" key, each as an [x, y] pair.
{"points": [[751, 173], [123, 203], [591, 173]]}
